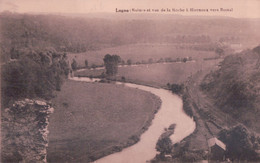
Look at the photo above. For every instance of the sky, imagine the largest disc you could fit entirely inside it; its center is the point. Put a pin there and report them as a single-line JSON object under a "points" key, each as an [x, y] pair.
{"points": [[237, 8]]}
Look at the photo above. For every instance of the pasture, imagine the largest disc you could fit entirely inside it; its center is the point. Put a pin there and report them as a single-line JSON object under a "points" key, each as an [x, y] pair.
{"points": [[91, 120], [138, 53], [157, 74]]}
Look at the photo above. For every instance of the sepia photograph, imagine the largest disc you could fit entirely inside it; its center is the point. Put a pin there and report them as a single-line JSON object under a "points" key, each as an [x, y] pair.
{"points": [[120, 81]]}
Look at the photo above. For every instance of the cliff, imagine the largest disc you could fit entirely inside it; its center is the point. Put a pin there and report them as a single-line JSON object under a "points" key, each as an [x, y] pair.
{"points": [[25, 131]]}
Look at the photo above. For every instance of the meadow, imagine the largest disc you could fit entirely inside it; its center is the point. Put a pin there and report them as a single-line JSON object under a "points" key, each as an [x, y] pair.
{"points": [[156, 74], [97, 120], [139, 53]]}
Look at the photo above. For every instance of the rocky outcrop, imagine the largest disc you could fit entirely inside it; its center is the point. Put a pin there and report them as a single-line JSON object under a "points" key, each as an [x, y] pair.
{"points": [[25, 131]]}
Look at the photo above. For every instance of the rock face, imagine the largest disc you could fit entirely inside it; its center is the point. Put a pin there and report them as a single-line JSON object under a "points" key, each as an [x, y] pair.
{"points": [[25, 131]]}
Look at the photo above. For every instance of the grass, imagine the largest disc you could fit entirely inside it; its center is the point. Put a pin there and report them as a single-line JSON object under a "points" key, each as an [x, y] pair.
{"points": [[157, 74], [92, 120], [139, 52]]}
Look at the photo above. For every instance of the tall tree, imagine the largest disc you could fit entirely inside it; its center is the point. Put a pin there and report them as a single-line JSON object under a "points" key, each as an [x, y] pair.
{"points": [[86, 63], [74, 65], [129, 61], [111, 64]]}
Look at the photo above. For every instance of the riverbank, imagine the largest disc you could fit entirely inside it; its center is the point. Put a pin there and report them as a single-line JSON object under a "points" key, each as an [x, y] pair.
{"points": [[153, 74], [174, 139], [170, 112], [209, 122], [195, 147], [92, 120]]}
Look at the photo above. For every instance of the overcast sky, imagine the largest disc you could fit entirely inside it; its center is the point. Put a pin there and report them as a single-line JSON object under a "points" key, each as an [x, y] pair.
{"points": [[240, 8]]}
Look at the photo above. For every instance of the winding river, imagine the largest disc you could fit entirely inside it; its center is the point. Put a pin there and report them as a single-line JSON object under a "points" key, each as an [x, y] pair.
{"points": [[171, 112]]}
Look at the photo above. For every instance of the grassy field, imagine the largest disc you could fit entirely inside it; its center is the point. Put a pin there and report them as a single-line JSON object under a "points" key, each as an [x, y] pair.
{"points": [[92, 120], [157, 74], [139, 52]]}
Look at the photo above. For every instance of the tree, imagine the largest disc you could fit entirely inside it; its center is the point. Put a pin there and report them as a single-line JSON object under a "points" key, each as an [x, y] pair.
{"points": [[219, 51], [129, 61], [111, 64], [122, 62], [86, 63], [74, 65]]}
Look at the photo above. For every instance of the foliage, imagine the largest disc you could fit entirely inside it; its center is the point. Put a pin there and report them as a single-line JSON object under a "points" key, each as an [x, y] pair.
{"points": [[111, 64], [176, 88], [164, 145], [187, 105], [86, 63], [238, 143], [74, 65], [234, 87], [129, 61], [36, 74], [80, 34], [257, 49]]}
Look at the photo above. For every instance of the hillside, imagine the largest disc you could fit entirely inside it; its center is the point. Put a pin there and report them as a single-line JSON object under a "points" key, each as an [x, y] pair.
{"points": [[80, 34], [235, 87]]}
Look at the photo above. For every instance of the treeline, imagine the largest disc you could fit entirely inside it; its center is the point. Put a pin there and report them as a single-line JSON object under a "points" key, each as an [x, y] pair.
{"points": [[37, 74], [68, 34], [189, 39]]}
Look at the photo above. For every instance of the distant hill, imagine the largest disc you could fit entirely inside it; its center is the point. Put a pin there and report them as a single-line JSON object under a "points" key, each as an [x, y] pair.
{"points": [[235, 87], [80, 33]]}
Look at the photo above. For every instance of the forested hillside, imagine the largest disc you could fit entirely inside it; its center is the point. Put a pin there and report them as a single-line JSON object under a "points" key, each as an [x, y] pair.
{"points": [[80, 34], [235, 87]]}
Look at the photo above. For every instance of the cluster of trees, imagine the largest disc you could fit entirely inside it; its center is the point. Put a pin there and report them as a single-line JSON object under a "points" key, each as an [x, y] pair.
{"points": [[111, 64], [36, 74], [161, 60], [208, 46], [241, 146], [189, 39], [176, 88], [164, 145]]}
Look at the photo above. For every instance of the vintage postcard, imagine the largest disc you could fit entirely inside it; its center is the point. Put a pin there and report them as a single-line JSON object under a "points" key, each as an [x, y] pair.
{"points": [[120, 81]]}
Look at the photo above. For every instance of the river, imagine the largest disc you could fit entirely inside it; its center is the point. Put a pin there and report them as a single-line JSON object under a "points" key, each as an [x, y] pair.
{"points": [[171, 112]]}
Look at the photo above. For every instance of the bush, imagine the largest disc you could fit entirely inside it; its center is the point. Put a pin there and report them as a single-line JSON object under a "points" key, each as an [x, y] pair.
{"points": [[176, 88]]}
